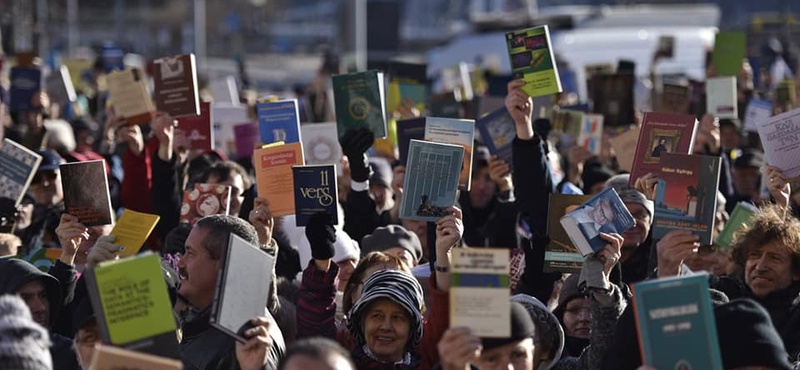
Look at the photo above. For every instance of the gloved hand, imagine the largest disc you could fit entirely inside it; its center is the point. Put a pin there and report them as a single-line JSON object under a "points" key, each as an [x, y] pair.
{"points": [[354, 145], [592, 276], [103, 250], [321, 236]]}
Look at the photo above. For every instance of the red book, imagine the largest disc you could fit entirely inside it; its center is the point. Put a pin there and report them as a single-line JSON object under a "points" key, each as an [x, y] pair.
{"points": [[175, 85], [662, 133], [195, 132]]}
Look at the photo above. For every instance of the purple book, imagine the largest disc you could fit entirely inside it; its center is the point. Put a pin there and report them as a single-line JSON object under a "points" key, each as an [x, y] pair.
{"points": [[246, 139]]}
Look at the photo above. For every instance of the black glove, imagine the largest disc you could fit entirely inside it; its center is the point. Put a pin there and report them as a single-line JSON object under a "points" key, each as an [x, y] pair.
{"points": [[321, 235], [542, 127], [354, 145]]}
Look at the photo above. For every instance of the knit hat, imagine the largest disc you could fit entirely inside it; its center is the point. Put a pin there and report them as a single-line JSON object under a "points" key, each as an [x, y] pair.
{"points": [[521, 328], [345, 248], [392, 236], [549, 332], [628, 193], [569, 291], [24, 344], [398, 286], [50, 160], [747, 336], [381, 172]]}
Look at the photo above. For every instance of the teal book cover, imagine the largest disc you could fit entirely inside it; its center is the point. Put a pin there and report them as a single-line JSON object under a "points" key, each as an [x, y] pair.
{"points": [[279, 121], [314, 191], [686, 195], [675, 323], [531, 56], [498, 131], [431, 180], [360, 99]]}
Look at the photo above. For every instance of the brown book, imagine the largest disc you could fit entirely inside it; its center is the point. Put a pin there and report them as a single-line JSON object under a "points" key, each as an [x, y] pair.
{"points": [[175, 85], [106, 357], [86, 193], [662, 133], [675, 98], [612, 96], [560, 254]]}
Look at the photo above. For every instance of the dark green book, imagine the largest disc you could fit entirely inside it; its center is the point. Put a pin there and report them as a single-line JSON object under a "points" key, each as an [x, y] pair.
{"points": [[729, 50], [739, 220], [360, 102]]}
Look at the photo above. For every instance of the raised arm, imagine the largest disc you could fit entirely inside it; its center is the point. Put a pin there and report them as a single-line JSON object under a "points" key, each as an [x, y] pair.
{"points": [[316, 306]]}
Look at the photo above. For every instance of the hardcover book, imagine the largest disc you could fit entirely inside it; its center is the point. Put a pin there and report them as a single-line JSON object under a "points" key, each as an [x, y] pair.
{"points": [[107, 357], [197, 130], [498, 131], [132, 230], [59, 86], [86, 193], [129, 298], [224, 118], [729, 50], [25, 82], [175, 85], [278, 121], [431, 180], [561, 255], [624, 146], [675, 98], [274, 178], [456, 132], [238, 298], [247, 138], [565, 121], [480, 290], [315, 191], [604, 213], [757, 111], [662, 133], [128, 92], [721, 97], [612, 96], [407, 130], [780, 137], [675, 323], [320, 143], [359, 98], [205, 200], [531, 54], [18, 165], [686, 195], [591, 136], [739, 220]]}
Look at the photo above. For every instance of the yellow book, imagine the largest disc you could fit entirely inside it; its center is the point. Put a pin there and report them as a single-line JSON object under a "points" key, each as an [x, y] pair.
{"points": [[132, 230], [274, 179]]}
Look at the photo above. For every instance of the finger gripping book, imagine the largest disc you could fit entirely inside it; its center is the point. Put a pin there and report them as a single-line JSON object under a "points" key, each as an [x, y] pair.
{"points": [[605, 213]]}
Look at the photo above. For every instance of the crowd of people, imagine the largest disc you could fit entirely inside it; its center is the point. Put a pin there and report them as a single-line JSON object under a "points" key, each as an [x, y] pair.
{"points": [[372, 290]]}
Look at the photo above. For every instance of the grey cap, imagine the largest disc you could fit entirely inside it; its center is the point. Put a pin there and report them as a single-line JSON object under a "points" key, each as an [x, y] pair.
{"points": [[629, 194]]}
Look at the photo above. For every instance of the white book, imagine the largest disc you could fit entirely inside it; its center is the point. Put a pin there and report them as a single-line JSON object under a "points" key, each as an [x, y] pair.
{"points": [[721, 97]]}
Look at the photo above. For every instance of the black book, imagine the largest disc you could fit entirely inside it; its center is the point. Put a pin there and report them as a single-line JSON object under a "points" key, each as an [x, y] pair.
{"points": [[86, 193]]}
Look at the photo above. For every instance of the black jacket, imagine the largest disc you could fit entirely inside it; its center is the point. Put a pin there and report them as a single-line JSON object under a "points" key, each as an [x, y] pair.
{"points": [[15, 273], [494, 226], [360, 215]]}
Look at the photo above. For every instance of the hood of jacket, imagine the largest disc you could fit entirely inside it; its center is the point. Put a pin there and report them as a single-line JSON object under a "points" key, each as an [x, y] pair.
{"points": [[14, 273], [548, 329]]}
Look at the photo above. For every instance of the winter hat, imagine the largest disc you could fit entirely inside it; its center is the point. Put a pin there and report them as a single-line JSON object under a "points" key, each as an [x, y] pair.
{"points": [[750, 158], [569, 291], [392, 236], [628, 193], [381, 172], [548, 328], [24, 344], [748, 338], [398, 286], [521, 328], [345, 248]]}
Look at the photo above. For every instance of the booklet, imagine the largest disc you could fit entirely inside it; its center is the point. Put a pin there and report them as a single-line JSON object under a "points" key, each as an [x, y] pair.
{"points": [[531, 54], [274, 178], [242, 287], [127, 90], [130, 300], [721, 97], [758, 110], [107, 357], [321, 144], [780, 137], [480, 291], [132, 230], [278, 121], [560, 254], [86, 193], [431, 180], [604, 213], [315, 191], [498, 131], [686, 195], [18, 165], [662, 133], [675, 323], [738, 221], [456, 132], [205, 200], [360, 102], [175, 85]]}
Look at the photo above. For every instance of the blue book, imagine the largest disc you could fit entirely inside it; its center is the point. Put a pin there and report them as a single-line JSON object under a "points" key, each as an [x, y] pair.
{"points": [[431, 180], [675, 323], [279, 121], [24, 83], [605, 213], [498, 131], [315, 191], [407, 130]]}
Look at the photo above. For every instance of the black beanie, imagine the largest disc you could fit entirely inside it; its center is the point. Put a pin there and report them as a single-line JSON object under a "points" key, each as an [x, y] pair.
{"points": [[747, 336], [521, 328]]}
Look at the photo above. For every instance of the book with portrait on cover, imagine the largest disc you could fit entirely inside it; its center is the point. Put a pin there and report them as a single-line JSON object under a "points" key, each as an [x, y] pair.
{"points": [[661, 133], [431, 180], [604, 213]]}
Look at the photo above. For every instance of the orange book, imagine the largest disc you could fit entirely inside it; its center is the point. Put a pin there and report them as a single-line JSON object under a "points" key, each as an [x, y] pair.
{"points": [[274, 179]]}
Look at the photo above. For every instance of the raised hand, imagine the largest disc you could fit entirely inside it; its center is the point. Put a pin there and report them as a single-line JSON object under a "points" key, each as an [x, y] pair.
{"points": [[103, 250], [778, 186], [520, 107], [132, 136], [253, 354], [673, 248], [71, 234], [355, 144], [321, 235], [647, 185], [611, 253], [457, 348], [261, 218], [500, 173], [163, 126]]}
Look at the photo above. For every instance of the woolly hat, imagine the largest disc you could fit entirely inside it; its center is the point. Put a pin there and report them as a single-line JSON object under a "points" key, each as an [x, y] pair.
{"points": [[24, 344], [381, 172], [521, 328], [392, 236], [748, 338], [401, 288], [549, 332], [569, 291], [628, 193]]}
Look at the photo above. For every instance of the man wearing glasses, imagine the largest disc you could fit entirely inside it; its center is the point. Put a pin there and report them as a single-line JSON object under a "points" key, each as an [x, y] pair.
{"points": [[48, 198]]}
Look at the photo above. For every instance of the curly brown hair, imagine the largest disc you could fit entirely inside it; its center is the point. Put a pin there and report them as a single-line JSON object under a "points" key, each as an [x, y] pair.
{"points": [[772, 223]]}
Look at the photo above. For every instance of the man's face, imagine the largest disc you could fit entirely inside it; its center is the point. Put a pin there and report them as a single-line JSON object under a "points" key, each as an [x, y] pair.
{"points": [[35, 296], [197, 270], [769, 268], [729, 137], [402, 254], [386, 329], [745, 180], [603, 213], [85, 339], [46, 186], [303, 362], [577, 318], [382, 196], [482, 190], [237, 191], [637, 234], [517, 356]]}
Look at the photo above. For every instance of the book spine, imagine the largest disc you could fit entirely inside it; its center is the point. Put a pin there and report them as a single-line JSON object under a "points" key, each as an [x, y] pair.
{"points": [[644, 350], [97, 304], [219, 292]]}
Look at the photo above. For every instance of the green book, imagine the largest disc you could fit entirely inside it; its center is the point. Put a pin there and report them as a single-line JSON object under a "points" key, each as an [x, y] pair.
{"points": [[739, 220], [360, 102], [130, 300], [729, 50], [675, 323], [531, 56]]}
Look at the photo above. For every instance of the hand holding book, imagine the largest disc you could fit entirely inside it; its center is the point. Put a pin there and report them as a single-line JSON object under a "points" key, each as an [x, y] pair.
{"points": [[611, 253], [778, 186], [520, 107], [261, 218], [71, 234], [354, 144], [673, 248], [103, 250], [254, 353], [458, 348], [164, 128], [321, 235], [500, 173], [647, 185], [449, 230]]}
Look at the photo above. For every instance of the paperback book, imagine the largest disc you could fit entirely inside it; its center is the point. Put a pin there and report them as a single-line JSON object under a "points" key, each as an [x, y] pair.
{"points": [[498, 131], [780, 137], [531, 54], [457, 132], [480, 290], [196, 131], [561, 255], [729, 50], [278, 121], [686, 195], [128, 92], [205, 200], [106, 357], [591, 135], [320, 144], [59, 86], [612, 96], [721, 97], [758, 110], [407, 130], [86, 194], [175, 85], [25, 82], [18, 165], [675, 98], [662, 133], [604, 213], [738, 221], [360, 102], [565, 121], [315, 191], [274, 178], [431, 180], [132, 230]]}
